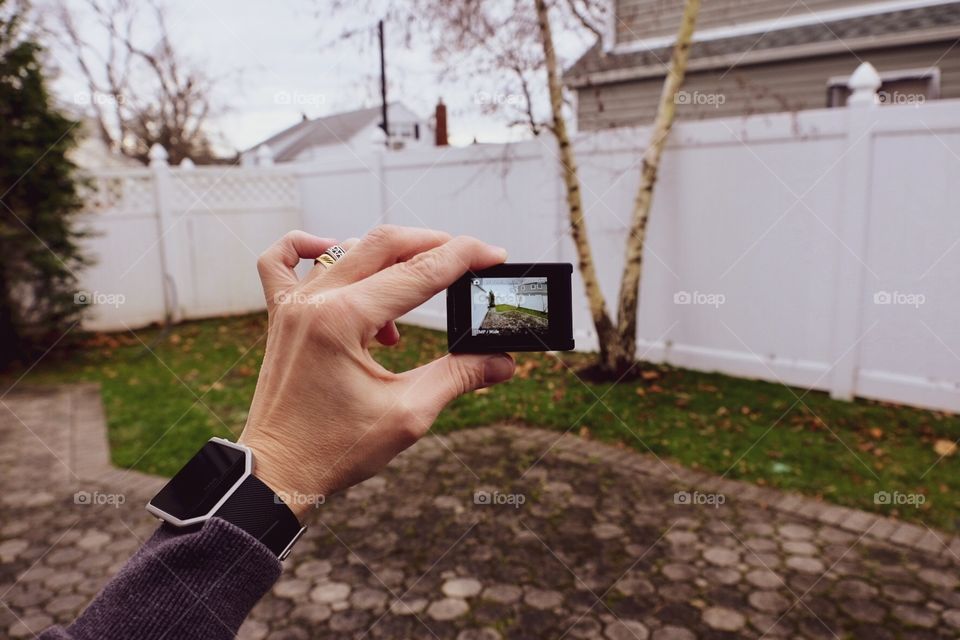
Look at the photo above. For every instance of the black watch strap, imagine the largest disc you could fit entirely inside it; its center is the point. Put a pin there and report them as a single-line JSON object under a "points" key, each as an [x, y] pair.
{"points": [[256, 509]]}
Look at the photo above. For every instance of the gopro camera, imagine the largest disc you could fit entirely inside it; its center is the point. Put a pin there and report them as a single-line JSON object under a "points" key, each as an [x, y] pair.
{"points": [[511, 307]]}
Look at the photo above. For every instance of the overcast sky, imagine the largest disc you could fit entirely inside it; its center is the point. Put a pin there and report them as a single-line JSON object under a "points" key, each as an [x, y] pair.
{"points": [[274, 61]]}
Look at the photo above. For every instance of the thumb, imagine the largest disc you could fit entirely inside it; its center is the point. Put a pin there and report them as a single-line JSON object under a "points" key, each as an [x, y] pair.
{"points": [[453, 375]]}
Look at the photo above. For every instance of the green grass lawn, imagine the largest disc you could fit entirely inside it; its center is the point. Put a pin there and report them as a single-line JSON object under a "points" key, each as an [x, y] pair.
{"points": [[529, 312], [758, 431]]}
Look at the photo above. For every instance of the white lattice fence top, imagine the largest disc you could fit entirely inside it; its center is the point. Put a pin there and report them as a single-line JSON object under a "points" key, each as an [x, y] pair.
{"points": [[119, 193], [234, 188]]}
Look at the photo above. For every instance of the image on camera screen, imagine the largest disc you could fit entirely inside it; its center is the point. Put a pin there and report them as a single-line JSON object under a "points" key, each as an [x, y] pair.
{"points": [[508, 306]]}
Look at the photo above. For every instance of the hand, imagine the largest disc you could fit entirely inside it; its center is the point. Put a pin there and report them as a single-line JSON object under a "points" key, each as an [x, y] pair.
{"points": [[325, 414]]}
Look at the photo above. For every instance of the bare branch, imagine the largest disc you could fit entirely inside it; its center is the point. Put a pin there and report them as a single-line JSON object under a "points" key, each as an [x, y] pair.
{"points": [[156, 97], [584, 20]]}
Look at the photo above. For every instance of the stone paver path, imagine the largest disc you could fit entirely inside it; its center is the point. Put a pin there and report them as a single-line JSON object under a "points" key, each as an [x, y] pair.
{"points": [[482, 536]]}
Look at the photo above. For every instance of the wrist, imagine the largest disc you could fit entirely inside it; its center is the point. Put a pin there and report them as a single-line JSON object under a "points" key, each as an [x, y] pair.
{"points": [[273, 471]]}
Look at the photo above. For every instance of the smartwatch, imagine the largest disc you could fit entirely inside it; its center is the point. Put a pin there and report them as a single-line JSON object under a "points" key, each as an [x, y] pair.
{"points": [[219, 482]]}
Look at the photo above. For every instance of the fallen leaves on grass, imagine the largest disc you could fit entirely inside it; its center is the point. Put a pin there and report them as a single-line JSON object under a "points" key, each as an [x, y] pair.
{"points": [[524, 369], [109, 341], [244, 371], [944, 447]]}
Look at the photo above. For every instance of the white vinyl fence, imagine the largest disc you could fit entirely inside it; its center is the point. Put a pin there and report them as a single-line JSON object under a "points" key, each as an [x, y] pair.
{"points": [[819, 249], [182, 241]]}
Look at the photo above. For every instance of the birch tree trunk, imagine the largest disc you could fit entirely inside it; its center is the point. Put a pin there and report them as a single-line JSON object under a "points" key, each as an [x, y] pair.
{"points": [[622, 354], [606, 332]]}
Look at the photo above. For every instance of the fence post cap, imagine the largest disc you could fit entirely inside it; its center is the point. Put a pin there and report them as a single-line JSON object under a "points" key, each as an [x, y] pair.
{"points": [[158, 155], [863, 85], [264, 155]]}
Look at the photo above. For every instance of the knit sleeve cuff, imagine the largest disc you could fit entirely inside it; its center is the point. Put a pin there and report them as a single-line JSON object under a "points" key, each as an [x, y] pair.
{"points": [[183, 584]]}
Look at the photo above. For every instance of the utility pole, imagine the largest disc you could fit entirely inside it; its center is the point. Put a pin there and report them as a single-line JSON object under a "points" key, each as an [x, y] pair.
{"points": [[385, 124]]}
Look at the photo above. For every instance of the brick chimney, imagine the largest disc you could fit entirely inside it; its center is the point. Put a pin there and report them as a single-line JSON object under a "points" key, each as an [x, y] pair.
{"points": [[440, 117]]}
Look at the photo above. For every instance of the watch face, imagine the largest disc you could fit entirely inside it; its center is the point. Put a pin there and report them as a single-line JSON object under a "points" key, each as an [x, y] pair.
{"points": [[197, 488]]}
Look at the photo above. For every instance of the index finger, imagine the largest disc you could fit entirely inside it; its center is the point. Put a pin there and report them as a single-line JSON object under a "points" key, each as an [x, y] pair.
{"points": [[388, 294], [276, 264]]}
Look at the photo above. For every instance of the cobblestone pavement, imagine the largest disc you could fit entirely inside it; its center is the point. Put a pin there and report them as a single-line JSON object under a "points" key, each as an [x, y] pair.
{"points": [[509, 322], [482, 536]]}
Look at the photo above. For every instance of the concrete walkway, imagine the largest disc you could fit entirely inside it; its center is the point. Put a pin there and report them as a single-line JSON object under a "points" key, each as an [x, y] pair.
{"points": [[498, 532]]}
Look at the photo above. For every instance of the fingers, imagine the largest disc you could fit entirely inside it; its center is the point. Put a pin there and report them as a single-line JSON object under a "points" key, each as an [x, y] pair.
{"points": [[394, 291], [381, 247], [388, 335], [443, 380], [276, 264], [320, 269]]}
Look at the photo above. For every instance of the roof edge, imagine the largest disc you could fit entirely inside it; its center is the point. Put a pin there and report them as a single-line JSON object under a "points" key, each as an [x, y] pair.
{"points": [[768, 55]]}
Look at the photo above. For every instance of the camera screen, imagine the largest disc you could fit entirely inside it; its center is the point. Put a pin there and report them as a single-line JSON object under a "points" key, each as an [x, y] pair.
{"points": [[509, 306]]}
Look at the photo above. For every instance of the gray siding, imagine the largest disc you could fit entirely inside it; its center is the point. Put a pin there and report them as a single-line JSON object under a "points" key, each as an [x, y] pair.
{"points": [[638, 19], [764, 88]]}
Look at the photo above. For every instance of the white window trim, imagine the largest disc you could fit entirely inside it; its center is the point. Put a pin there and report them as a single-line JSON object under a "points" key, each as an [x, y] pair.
{"points": [[762, 26], [609, 36]]}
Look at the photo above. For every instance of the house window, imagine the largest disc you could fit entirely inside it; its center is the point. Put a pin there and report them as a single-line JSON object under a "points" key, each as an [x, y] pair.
{"points": [[909, 86], [405, 130]]}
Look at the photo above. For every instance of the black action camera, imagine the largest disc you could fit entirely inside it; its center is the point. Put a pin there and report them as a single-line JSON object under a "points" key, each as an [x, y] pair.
{"points": [[511, 307]]}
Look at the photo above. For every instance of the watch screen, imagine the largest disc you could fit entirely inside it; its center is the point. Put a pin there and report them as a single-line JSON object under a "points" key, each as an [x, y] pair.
{"points": [[202, 482]]}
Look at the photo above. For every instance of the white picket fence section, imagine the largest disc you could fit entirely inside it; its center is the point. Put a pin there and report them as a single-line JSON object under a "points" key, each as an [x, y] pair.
{"points": [[818, 249]]}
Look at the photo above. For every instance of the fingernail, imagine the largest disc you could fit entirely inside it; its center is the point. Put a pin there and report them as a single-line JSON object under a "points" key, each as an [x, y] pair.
{"points": [[497, 369], [501, 253]]}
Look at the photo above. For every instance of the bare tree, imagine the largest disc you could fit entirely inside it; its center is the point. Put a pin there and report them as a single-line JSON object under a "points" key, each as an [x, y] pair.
{"points": [[141, 90], [622, 355], [517, 37]]}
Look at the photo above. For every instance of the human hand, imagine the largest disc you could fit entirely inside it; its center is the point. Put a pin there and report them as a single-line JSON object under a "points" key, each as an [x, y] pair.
{"points": [[325, 414]]}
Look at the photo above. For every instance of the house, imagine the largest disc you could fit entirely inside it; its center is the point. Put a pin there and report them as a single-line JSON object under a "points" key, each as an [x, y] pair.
{"points": [[358, 130], [760, 56]]}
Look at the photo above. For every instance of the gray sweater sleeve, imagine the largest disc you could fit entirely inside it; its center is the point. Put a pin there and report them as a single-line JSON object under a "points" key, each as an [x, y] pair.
{"points": [[197, 584]]}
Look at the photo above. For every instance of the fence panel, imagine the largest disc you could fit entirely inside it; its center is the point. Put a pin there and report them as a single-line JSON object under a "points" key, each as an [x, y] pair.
{"points": [[817, 249]]}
